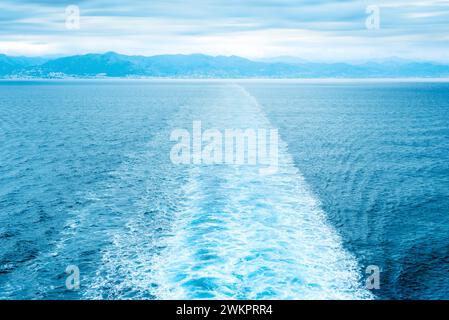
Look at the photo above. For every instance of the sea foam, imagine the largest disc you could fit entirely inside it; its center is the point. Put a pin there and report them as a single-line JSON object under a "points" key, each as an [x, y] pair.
{"points": [[243, 235]]}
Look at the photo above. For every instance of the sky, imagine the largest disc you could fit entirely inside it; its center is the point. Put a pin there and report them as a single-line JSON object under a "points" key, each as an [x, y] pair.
{"points": [[314, 30]]}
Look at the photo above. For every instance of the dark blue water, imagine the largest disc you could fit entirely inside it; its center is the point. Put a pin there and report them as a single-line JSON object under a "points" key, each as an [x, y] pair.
{"points": [[86, 180], [377, 156]]}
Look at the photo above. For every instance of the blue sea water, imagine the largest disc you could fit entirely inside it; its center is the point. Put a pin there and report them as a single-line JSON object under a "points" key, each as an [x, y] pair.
{"points": [[86, 180]]}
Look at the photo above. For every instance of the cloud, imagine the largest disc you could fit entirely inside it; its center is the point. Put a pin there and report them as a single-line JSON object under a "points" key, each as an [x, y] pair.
{"points": [[314, 30]]}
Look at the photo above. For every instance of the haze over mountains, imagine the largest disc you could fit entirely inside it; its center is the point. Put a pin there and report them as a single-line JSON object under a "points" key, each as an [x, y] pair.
{"points": [[201, 66]]}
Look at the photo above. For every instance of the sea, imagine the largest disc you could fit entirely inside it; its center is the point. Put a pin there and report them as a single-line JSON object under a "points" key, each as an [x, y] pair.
{"points": [[93, 207]]}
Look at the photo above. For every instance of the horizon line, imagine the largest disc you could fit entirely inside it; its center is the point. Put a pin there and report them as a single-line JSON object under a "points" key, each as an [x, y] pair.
{"points": [[263, 60]]}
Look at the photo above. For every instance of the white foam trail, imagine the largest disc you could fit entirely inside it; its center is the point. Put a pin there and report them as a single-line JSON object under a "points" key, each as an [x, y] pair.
{"points": [[242, 235]]}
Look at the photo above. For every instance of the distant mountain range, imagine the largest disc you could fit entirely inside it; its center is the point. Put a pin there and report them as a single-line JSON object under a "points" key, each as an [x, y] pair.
{"points": [[201, 66]]}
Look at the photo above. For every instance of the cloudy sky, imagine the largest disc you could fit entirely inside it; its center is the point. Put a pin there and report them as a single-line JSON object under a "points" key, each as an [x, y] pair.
{"points": [[339, 30]]}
